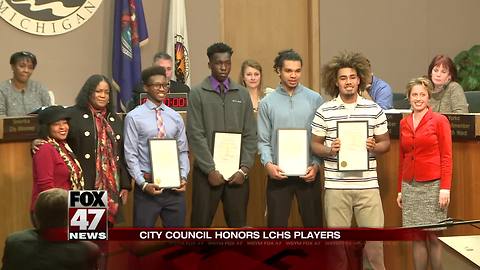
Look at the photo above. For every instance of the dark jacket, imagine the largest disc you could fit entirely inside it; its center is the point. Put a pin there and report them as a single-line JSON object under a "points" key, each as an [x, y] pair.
{"points": [[27, 250], [209, 112], [82, 138]]}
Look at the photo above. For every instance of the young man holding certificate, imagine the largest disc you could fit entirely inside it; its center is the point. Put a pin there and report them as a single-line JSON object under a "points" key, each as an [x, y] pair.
{"points": [[222, 133], [284, 130], [151, 129], [348, 132]]}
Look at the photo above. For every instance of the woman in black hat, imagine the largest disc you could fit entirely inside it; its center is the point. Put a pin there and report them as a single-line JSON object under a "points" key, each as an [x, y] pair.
{"points": [[96, 137], [54, 164]]}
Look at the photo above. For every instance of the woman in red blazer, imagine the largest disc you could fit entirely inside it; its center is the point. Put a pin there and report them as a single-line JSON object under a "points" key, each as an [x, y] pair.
{"points": [[425, 170]]}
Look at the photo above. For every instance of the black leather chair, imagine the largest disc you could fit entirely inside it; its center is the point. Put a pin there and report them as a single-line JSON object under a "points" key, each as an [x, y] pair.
{"points": [[400, 101], [473, 100]]}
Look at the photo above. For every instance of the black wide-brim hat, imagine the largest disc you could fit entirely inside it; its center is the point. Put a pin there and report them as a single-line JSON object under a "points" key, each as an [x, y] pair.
{"points": [[53, 114]]}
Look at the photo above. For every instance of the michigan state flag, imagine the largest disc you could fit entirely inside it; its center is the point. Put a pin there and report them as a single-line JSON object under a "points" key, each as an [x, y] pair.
{"points": [[130, 32]]}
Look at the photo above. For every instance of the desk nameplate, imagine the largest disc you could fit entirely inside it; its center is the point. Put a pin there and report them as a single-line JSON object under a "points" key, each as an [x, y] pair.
{"points": [[464, 126], [18, 128]]}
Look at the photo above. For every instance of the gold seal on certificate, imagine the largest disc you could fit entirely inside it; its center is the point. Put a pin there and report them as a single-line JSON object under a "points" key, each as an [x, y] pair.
{"points": [[292, 151], [164, 162], [227, 147], [353, 154]]}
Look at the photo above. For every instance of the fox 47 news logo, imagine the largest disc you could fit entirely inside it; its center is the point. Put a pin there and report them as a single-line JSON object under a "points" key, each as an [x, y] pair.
{"points": [[87, 215]]}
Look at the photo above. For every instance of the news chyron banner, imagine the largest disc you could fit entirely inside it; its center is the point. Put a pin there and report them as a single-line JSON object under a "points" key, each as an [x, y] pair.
{"points": [[249, 236], [87, 220], [87, 215]]}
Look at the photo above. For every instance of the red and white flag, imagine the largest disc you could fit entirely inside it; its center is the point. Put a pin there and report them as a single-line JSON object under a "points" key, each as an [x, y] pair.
{"points": [[177, 41]]}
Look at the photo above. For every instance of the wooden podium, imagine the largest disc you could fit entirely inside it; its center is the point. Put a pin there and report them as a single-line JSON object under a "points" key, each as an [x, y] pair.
{"points": [[16, 135], [461, 252]]}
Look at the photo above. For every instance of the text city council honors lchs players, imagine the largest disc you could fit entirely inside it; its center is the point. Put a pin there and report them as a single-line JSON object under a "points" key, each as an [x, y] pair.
{"points": [[87, 211], [247, 234]]}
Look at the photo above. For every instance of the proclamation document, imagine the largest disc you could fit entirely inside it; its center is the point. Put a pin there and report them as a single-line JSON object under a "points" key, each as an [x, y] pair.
{"points": [[292, 151], [227, 147], [164, 161], [353, 154]]}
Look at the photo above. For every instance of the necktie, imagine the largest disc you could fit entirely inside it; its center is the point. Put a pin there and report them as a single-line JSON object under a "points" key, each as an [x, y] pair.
{"points": [[160, 125], [222, 90]]}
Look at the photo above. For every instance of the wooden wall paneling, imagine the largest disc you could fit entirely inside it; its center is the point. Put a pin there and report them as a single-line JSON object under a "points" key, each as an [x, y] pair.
{"points": [[314, 44], [260, 29], [15, 188]]}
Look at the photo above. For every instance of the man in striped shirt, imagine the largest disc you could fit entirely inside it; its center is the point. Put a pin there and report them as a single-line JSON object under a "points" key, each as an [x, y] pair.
{"points": [[349, 193]]}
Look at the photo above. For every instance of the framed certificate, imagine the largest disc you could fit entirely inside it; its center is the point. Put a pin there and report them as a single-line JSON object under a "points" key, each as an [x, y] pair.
{"points": [[292, 151], [353, 154], [227, 147], [164, 162]]}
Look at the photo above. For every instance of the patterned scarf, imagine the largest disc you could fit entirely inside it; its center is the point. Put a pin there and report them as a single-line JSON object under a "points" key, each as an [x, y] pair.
{"points": [[76, 174], [107, 177]]}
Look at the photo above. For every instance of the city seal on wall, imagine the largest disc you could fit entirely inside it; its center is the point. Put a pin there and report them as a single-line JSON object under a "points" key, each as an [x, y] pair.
{"points": [[47, 17], [182, 62]]}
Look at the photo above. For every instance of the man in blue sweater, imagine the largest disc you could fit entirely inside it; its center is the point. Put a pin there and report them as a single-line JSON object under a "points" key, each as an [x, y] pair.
{"points": [[291, 105]]}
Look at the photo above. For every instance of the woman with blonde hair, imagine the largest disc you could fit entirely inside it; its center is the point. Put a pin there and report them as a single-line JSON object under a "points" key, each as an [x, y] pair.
{"points": [[251, 77], [425, 170]]}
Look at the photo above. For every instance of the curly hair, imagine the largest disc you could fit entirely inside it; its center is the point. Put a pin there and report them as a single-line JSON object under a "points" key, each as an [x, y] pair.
{"points": [[83, 97], [218, 47], [152, 71], [289, 54], [353, 60]]}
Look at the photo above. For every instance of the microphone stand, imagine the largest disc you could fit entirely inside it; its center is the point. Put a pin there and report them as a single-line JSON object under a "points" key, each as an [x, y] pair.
{"points": [[447, 223]]}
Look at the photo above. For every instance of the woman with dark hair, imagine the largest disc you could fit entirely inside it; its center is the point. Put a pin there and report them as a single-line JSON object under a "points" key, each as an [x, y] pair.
{"points": [[54, 164], [447, 95], [20, 95], [96, 137]]}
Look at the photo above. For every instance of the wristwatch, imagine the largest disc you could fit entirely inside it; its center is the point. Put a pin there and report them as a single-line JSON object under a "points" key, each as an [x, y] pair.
{"points": [[245, 175]]}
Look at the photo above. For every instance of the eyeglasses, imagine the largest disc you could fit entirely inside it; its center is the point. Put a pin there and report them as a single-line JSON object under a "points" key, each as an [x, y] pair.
{"points": [[164, 86]]}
